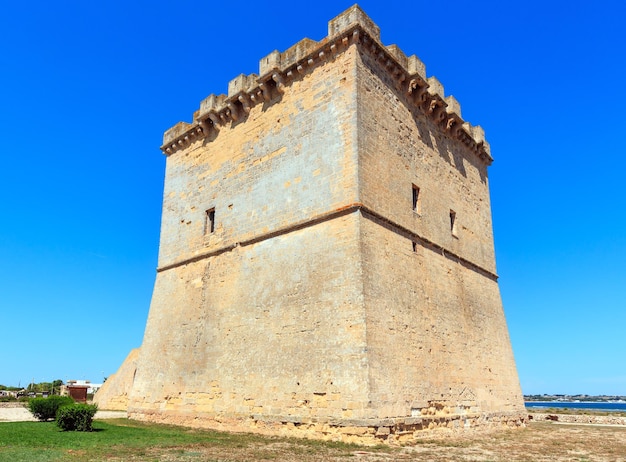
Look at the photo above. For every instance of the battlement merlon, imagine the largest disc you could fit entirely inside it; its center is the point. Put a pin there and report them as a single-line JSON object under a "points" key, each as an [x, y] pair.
{"points": [[277, 70]]}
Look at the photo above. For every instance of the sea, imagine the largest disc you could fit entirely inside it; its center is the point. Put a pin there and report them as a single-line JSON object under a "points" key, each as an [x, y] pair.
{"points": [[595, 405]]}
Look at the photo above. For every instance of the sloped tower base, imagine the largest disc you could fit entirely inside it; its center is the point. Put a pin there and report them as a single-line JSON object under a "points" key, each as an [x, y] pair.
{"points": [[326, 266]]}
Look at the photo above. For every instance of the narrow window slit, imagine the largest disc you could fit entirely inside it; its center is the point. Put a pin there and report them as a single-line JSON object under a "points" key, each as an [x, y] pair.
{"points": [[209, 221], [453, 222], [416, 199]]}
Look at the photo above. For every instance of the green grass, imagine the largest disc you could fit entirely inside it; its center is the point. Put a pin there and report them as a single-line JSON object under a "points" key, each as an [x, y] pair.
{"points": [[125, 440]]}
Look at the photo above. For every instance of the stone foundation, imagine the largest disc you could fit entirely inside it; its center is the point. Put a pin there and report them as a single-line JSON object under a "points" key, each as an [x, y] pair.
{"points": [[403, 431]]}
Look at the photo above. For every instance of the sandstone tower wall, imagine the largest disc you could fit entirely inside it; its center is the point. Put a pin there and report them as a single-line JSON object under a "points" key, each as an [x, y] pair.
{"points": [[434, 307], [113, 394], [285, 163], [264, 314], [326, 264]]}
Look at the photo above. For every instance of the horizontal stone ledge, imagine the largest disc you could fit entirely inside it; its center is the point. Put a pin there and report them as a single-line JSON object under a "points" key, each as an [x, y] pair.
{"points": [[325, 216], [386, 422]]}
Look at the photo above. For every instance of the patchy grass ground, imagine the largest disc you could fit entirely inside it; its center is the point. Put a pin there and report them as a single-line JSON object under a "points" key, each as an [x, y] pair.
{"points": [[538, 442], [124, 440]]}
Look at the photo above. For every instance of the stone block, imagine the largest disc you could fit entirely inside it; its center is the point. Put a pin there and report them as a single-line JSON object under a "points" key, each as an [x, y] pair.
{"points": [[435, 87], [352, 17], [242, 83], [269, 63], [416, 67]]}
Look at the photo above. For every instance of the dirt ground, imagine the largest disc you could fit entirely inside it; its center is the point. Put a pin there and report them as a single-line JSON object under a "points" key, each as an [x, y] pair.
{"points": [[539, 442], [21, 414]]}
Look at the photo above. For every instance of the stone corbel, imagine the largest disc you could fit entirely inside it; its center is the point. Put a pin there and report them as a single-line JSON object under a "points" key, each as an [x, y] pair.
{"points": [[356, 35], [215, 120], [397, 74], [225, 116], [467, 140], [416, 91], [266, 91], [244, 99], [451, 122], [280, 82], [205, 126], [439, 113], [234, 112], [454, 131], [194, 134], [256, 96], [430, 106]]}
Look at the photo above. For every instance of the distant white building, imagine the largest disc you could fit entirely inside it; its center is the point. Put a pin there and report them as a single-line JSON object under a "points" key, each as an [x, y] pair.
{"points": [[91, 387]]}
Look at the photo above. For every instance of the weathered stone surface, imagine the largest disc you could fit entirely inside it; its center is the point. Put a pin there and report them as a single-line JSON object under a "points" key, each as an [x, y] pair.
{"points": [[326, 265], [113, 394]]}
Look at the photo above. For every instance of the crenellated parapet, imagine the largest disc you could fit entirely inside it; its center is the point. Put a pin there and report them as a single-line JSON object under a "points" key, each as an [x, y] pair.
{"points": [[278, 70]]}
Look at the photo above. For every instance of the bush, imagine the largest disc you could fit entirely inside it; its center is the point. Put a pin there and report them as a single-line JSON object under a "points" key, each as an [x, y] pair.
{"points": [[46, 408], [76, 417]]}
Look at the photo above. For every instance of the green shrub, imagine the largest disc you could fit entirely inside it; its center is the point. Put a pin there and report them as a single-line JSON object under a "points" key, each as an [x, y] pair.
{"points": [[46, 408], [76, 417]]}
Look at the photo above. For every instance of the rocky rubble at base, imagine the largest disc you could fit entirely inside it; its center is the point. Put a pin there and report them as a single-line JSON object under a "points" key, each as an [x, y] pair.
{"points": [[577, 418]]}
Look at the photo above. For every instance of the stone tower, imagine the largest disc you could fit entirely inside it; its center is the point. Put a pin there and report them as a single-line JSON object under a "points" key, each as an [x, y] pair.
{"points": [[326, 265]]}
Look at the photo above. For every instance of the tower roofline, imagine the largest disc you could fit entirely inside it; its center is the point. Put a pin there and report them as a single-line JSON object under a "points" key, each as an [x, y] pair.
{"points": [[277, 70]]}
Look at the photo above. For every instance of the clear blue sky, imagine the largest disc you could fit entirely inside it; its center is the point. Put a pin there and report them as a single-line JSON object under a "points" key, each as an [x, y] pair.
{"points": [[88, 88]]}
